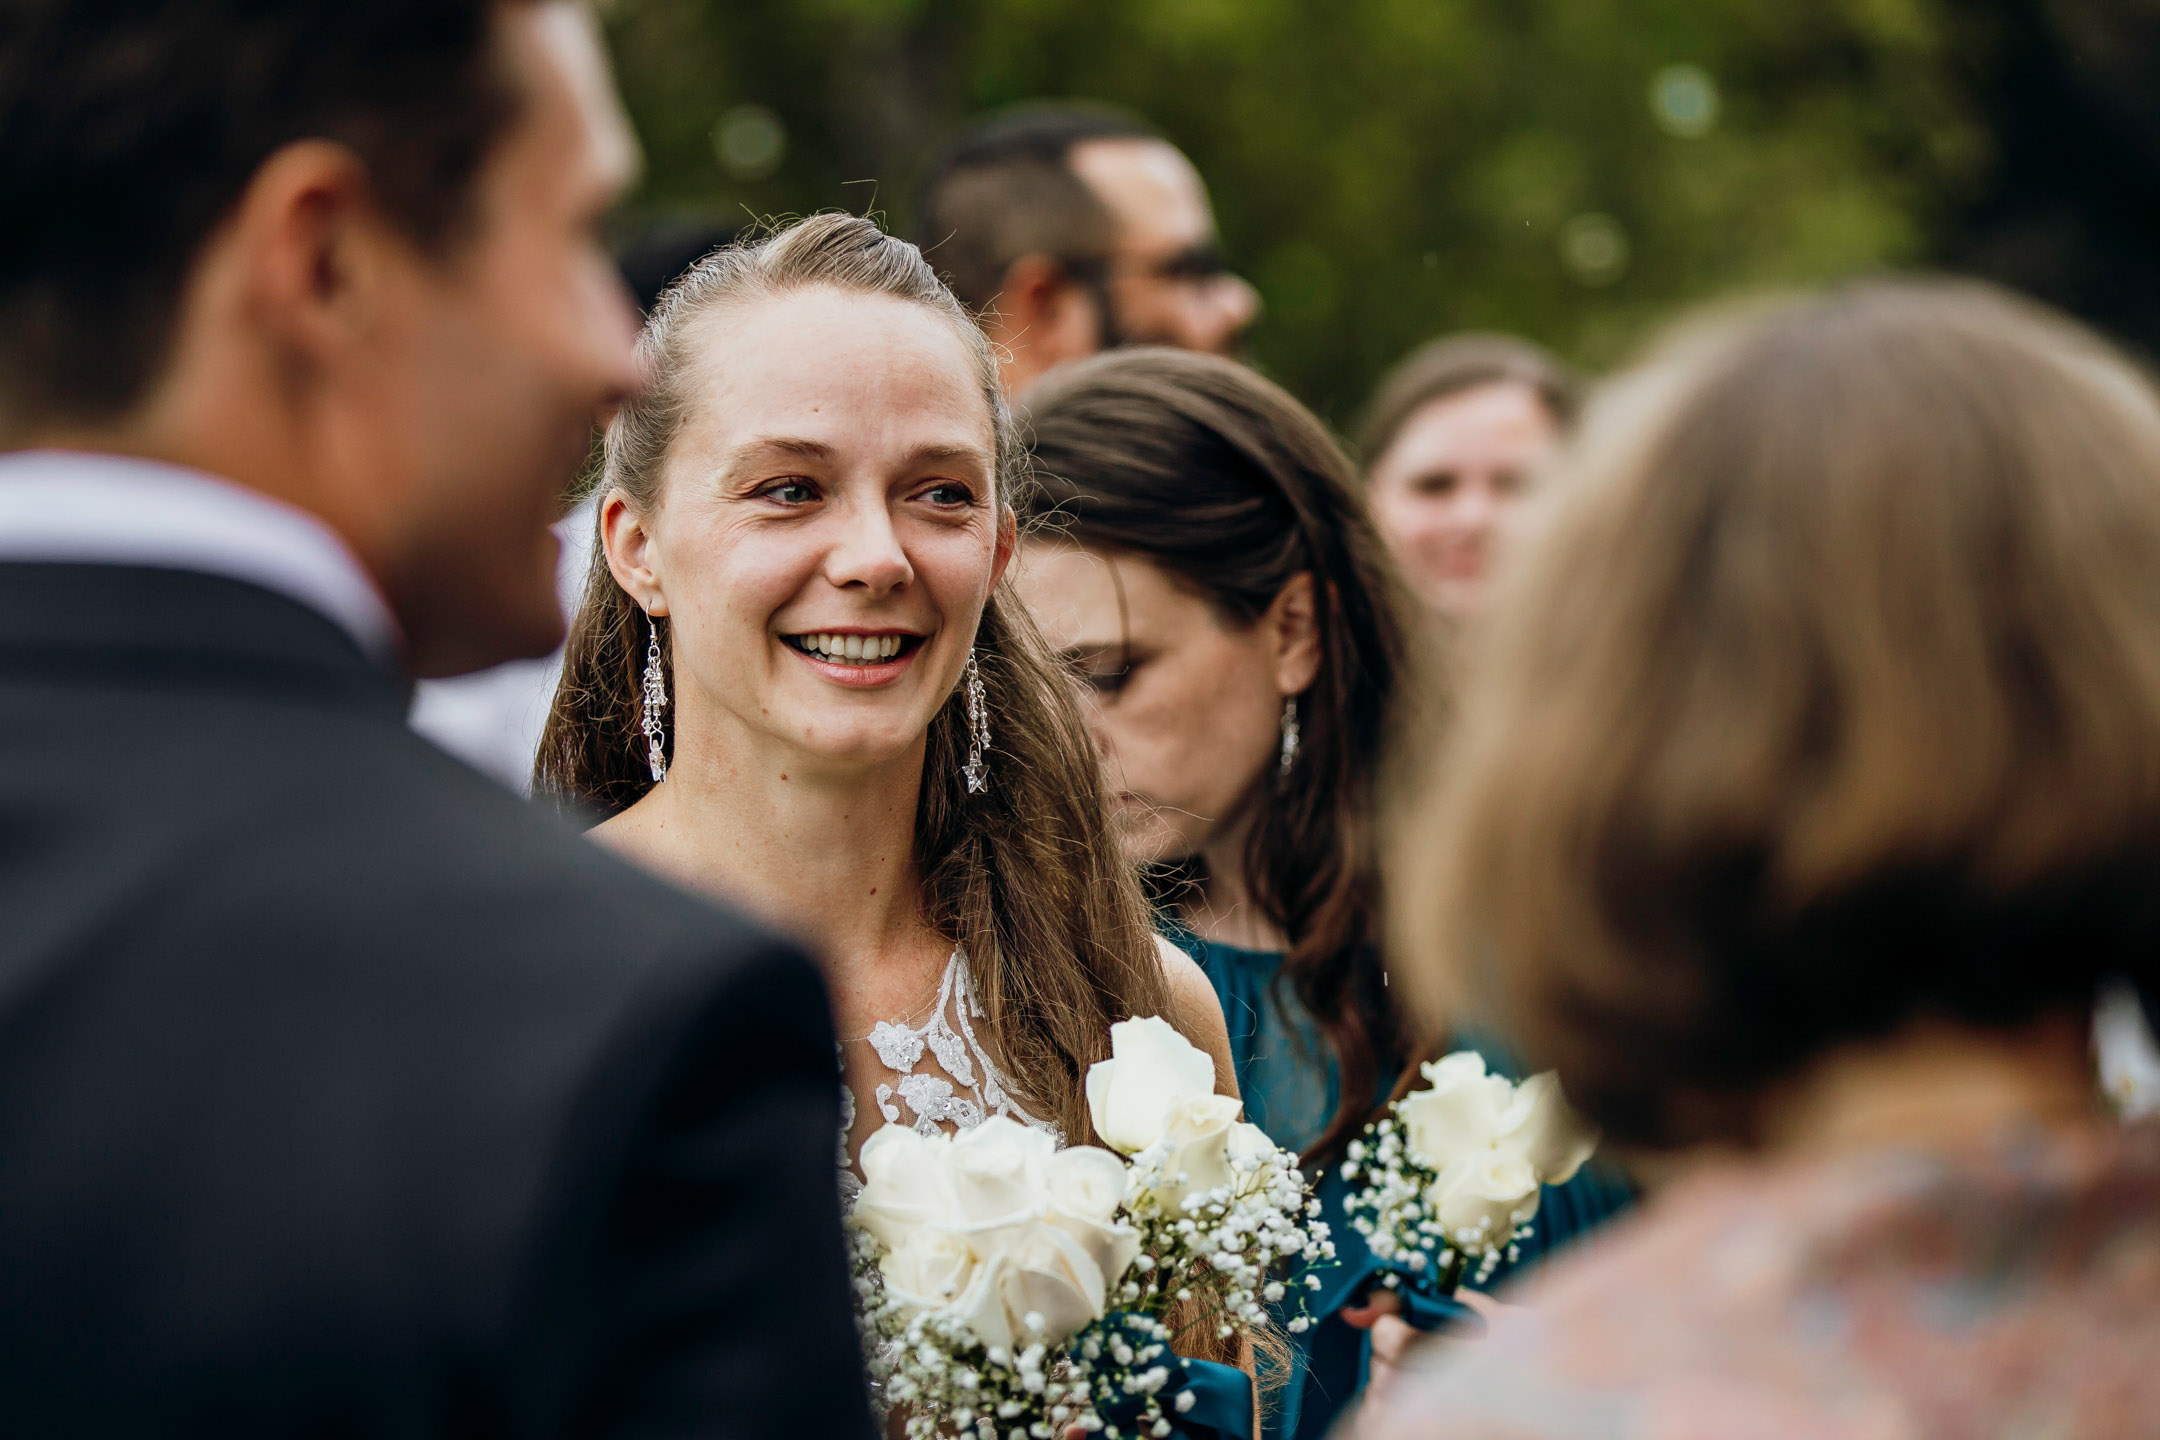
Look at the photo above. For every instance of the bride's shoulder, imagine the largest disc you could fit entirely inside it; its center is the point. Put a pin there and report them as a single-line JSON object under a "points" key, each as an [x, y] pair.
{"points": [[1196, 1011]]}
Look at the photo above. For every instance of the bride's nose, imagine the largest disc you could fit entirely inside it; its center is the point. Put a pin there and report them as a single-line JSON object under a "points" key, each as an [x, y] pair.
{"points": [[866, 551]]}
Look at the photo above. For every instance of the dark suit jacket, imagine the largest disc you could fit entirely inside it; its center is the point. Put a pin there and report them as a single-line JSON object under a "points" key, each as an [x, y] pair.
{"points": [[342, 1094]]}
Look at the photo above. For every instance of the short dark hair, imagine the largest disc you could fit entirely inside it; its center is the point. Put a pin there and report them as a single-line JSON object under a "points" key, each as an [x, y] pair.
{"points": [[1004, 187], [1454, 364], [130, 128]]}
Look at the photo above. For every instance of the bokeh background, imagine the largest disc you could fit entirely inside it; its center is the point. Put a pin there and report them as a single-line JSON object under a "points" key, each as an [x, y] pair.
{"points": [[1386, 170]]}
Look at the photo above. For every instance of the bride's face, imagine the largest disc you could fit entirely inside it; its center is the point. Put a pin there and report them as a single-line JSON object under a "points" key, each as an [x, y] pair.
{"points": [[827, 533]]}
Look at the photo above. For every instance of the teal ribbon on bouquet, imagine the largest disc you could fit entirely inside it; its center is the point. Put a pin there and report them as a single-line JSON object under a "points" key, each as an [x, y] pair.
{"points": [[1357, 1272], [1222, 1403]]}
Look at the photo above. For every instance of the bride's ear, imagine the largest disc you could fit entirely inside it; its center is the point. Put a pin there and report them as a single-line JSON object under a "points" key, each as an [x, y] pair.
{"points": [[1008, 540], [631, 556]]}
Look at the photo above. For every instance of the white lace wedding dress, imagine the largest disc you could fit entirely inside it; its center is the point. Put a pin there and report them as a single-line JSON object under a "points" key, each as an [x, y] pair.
{"points": [[947, 1081]]}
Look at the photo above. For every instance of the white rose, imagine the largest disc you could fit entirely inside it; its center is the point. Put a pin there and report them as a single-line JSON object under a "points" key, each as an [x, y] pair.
{"points": [[1196, 1141], [929, 1268], [1481, 1199], [1151, 1066], [1086, 1187], [981, 1306], [1052, 1275], [1459, 1114], [1539, 1127], [999, 1173], [906, 1183], [1015, 1238], [1087, 1182]]}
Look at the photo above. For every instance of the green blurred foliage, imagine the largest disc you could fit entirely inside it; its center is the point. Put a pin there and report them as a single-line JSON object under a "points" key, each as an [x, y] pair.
{"points": [[1384, 170]]}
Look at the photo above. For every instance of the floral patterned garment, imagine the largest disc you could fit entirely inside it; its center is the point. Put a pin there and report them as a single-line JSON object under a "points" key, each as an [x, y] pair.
{"points": [[943, 1074], [2011, 1294]]}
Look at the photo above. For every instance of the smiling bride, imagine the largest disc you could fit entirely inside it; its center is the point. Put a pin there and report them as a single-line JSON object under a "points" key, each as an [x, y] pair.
{"points": [[800, 681]]}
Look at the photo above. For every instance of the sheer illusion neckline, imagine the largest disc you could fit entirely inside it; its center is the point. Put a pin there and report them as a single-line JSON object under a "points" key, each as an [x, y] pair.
{"points": [[946, 1078]]}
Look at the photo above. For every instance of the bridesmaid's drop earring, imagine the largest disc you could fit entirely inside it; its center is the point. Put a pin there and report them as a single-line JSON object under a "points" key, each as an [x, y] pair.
{"points": [[1289, 734]]}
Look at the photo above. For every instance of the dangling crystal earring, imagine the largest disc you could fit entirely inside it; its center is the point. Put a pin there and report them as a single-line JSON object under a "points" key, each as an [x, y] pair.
{"points": [[1289, 734], [655, 702], [978, 724]]}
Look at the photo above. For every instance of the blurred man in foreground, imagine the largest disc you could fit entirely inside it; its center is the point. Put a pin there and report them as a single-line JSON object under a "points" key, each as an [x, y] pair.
{"points": [[339, 1093], [1071, 229]]}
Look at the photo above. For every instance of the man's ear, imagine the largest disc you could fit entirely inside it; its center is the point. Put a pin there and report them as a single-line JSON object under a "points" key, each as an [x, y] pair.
{"points": [[1044, 317], [1292, 626], [315, 251], [631, 558]]}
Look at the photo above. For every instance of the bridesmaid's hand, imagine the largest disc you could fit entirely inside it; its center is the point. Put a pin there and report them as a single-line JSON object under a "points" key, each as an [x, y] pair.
{"points": [[1393, 1338], [1379, 1302]]}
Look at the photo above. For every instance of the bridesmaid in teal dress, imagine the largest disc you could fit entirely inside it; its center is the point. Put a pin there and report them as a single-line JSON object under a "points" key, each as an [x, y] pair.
{"points": [[1200, 559]]}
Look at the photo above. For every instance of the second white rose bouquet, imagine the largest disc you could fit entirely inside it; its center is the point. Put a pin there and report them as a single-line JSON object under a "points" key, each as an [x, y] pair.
{"points": [[1222, 1210], [1010, 1290], [1451, 1176]]}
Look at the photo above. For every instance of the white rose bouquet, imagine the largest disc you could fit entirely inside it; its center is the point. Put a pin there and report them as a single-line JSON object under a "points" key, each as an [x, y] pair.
{"points": [[1010, 1290], [1451, 1175], [1221, 1209]]}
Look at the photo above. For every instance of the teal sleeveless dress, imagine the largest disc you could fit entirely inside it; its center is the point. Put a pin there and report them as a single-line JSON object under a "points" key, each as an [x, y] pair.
{"points": [[1288, 1078]]}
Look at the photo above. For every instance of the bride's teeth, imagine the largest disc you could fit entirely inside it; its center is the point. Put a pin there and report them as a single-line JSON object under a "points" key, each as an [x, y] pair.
{"points": [[869, 649]]}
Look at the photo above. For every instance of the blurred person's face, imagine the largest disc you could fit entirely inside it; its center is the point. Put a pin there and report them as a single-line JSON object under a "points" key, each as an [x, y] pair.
{"points": [[827, 533], [510, 350], [1167, 282], [1449, 488], [1185, 707], [492, 364]]}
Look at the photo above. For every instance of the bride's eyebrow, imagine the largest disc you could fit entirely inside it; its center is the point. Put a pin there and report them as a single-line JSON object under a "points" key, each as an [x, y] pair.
{"points": [[764, 447], [960, 462], [922, 453]]}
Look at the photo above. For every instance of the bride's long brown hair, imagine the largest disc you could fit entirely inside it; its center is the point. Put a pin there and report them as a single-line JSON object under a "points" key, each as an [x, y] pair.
{"points": [[1027, 877]]}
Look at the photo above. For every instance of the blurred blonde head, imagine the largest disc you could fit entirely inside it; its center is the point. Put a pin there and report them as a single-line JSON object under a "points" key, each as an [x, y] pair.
{"points": [[1826, 698]]}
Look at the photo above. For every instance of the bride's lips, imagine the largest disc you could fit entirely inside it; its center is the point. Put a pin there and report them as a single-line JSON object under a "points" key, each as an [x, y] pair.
{"points": [[855, 656]]}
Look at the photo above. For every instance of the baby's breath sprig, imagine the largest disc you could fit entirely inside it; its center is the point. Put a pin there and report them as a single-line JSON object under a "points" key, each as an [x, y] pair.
{"points": [[1232, 1247], [1388, 1206], [1449, 1178]]}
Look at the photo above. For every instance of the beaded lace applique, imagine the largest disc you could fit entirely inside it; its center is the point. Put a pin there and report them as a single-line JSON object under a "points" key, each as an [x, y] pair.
{"points": [[969, 1091]]}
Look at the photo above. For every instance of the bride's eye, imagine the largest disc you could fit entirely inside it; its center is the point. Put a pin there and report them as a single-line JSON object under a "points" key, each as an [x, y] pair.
{"points": [[790, 492], [950, 495]]}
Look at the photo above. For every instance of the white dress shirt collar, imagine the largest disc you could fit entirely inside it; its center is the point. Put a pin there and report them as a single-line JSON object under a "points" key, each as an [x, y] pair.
{"points": [[78, 507]]}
